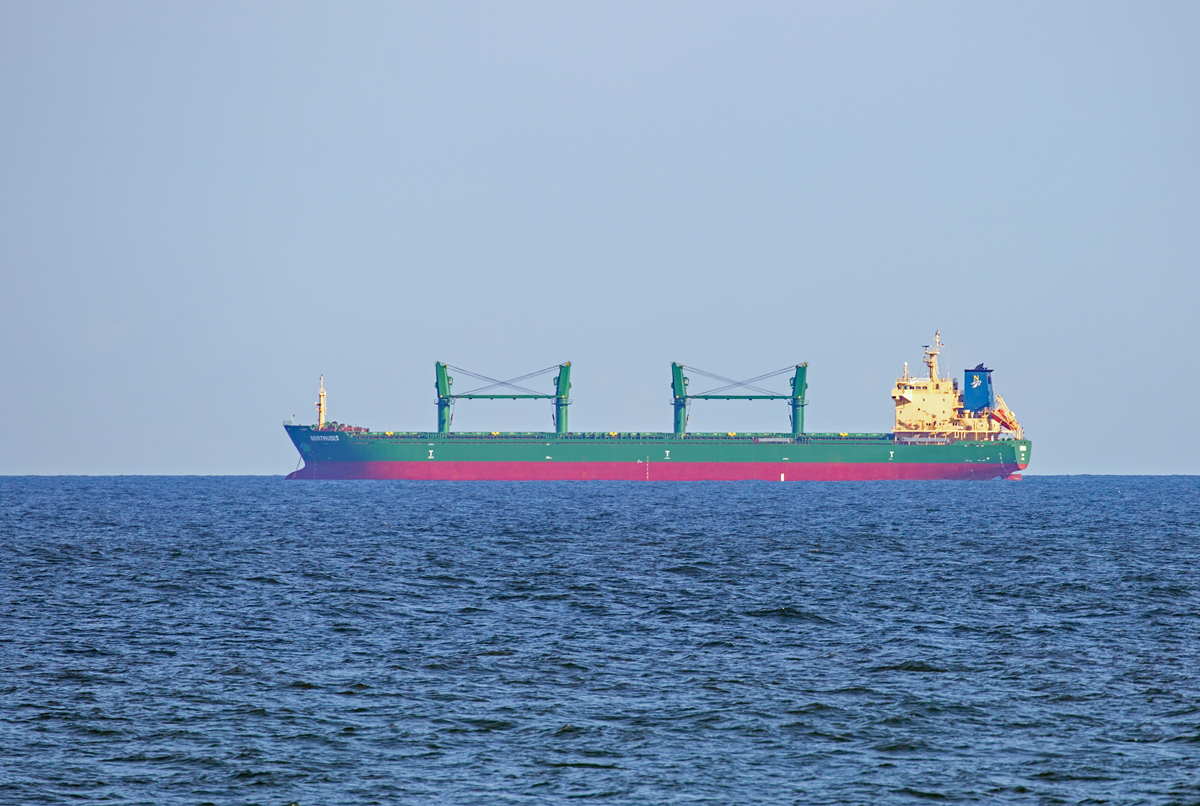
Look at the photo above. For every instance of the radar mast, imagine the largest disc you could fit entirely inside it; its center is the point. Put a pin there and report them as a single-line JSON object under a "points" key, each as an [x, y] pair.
{"points": [[931, 354]]}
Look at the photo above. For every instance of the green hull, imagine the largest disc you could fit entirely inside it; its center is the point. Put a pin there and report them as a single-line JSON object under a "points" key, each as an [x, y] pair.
{"points": [[338, 454]]}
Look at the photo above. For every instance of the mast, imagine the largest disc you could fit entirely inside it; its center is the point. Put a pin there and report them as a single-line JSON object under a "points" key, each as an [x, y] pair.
{"points": [[321, 404], [931, 354]]}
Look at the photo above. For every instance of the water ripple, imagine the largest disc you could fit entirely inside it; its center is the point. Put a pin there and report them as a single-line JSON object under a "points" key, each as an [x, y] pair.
{"points": [[241, 640]]}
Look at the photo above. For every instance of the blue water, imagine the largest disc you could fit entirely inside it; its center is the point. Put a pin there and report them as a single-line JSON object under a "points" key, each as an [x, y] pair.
{"points": [[250, 640]]}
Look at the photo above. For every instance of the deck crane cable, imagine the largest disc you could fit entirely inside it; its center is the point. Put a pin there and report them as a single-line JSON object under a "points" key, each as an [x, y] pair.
{"points": [[732, 383], [493, 383]]}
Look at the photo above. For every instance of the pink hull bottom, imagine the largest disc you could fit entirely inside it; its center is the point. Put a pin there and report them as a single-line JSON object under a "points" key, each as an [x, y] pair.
{"points": [[655, 471]]}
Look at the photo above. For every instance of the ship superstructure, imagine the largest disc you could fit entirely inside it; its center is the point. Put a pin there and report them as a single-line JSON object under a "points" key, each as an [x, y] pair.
{"points": [[934, 408], [941, 432]]}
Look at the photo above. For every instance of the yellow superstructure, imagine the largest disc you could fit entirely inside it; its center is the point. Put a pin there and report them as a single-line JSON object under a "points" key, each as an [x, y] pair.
{"points": [[932, 407]]}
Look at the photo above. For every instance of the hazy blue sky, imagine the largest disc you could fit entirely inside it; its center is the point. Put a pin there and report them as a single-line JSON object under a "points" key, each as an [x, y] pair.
{"points": [[205, 206]]}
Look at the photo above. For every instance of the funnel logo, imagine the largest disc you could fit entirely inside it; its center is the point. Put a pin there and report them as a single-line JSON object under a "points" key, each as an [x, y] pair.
{"points": [[975, 382]]}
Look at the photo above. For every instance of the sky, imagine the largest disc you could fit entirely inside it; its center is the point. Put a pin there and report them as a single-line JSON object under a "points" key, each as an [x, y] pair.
{"points": [[206, 206]]}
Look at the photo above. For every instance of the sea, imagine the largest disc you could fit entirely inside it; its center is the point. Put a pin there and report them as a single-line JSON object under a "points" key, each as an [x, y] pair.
{"points": [[250, 640]]}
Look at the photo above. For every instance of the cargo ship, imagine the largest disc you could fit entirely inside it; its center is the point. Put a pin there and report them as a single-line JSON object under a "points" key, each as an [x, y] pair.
{"points": [[942, 431]]}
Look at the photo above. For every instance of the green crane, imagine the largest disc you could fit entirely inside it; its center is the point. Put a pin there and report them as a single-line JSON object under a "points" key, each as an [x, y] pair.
{"points": [[799, 383], [561, 395], [796, 398], [679, 398], [445, 400]]}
